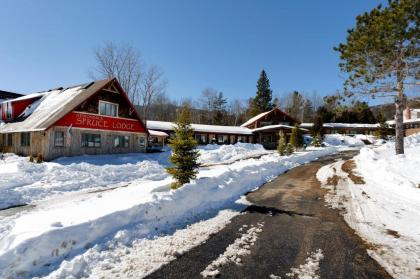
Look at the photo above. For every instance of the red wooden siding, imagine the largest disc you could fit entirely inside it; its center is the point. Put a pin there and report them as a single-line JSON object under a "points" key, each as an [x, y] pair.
{"points": [[101, 122]]}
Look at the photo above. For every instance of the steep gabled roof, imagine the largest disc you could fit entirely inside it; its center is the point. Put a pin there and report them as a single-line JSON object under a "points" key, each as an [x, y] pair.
{"points": [[55, 104], [261, 115]]}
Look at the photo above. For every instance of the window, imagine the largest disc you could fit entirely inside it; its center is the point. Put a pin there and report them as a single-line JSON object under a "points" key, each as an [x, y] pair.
{"points": [[241, 139], [266, 138], [8, 140], [262, 124], [91, 140], [9, 110], [121, 141], [222, 139], [142, 141], [25, 139], [58, 138], [106, 108], [201, 139]]}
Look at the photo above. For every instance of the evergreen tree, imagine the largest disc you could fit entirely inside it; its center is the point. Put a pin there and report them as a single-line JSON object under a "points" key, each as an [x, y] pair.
{"points": [[308, 111], [262, 101], [219, 108], [383, 131], [296, 139], [281, 147], [381, 56], [317, 141], [318, 127], [184, 154], [289, 149]]}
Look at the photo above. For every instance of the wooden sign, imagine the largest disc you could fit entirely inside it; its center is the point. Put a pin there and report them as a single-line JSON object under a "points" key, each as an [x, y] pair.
{"points": [[100, 122]]}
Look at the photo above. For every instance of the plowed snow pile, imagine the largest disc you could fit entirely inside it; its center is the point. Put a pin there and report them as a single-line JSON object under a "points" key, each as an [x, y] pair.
{"points": [[69, 235], [384, 206]]}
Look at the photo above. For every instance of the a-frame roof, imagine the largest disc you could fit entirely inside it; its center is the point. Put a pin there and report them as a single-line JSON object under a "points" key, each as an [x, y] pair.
{"points": [[261, 115], [55, 104]]}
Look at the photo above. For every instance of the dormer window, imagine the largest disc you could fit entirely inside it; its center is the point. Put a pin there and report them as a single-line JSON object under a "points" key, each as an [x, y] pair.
{"points": [[107, 108]]}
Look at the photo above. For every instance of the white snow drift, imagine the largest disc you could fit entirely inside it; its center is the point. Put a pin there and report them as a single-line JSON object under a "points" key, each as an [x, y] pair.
{"points": [[85, 227], [385, 211]]}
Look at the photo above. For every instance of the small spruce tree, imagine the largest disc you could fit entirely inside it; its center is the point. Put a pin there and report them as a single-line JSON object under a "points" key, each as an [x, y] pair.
{"points": [[184, 154], [296, 139], [317, 141], [318, 126], [289, 149], [281, 147], [383, 131]]}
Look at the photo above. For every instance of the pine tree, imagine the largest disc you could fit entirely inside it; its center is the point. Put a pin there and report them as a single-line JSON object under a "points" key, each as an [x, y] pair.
{"points": [[262, 101], [219, 108], [289, 149], [281, 147], [381, 56], [318, 127], [383, 131], [184, 154], [296, 139], [317, 141]]}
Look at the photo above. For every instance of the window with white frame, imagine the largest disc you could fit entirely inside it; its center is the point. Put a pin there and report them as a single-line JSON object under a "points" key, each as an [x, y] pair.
{"points": [[58, 138], [121, 141], [106, 108], [91, 140], [201, 139], [222, 139], [142, 141]]}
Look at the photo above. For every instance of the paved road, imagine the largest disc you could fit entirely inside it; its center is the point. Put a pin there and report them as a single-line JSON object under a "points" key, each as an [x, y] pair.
{"points": [[299, 224]]}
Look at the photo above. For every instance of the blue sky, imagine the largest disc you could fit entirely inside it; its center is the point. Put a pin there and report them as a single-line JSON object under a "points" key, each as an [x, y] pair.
{"points": [[198, 44]]}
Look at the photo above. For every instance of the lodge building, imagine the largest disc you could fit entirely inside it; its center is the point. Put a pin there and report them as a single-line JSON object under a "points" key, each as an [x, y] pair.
{"points": [[98, 118], [263, 128], [93, 118]]}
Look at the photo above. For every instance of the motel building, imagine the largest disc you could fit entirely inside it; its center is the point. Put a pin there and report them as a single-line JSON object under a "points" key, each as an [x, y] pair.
{"points": [[92, 118]]}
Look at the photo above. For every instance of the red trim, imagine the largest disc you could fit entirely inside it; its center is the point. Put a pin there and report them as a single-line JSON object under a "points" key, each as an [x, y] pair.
{"points": [[142, 127], [100, 122], [130, 104]]}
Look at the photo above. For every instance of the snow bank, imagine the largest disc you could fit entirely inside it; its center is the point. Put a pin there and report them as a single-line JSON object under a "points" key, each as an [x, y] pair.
{"points": [[36, 242], [27, 182], [385, 211], [144, 255], [213, 154], [22, 182], [342, 140]]}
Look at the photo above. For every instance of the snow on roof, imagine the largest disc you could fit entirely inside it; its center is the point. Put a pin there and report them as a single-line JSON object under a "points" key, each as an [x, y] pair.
{"points": [[158, 133], [255, 118], [28, 96], [342, 125], [169, 126], [53, 105], [269, 127], [414, 120]]}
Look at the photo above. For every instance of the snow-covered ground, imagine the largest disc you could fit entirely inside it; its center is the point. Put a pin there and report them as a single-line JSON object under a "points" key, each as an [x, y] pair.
{"points": [[80, 226], [216, 154], [343, 140], [381, 201], [22, 182]]}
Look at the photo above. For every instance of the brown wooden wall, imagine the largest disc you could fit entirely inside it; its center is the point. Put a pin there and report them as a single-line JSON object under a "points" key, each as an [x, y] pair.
{"points": [[43, 143], [91, 105]]}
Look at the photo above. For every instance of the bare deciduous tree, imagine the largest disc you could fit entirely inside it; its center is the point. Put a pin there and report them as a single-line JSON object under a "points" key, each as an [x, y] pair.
{"points": [[122, 62], [152, 85]]}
